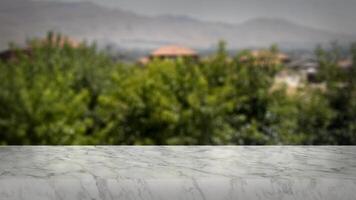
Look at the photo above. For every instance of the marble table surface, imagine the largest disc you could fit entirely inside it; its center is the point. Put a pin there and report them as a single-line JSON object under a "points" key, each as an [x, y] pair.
{"points": [[172, 173]]}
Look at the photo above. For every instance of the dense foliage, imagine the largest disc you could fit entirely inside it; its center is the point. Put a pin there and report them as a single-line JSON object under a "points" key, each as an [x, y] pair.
{"points": [[59, 94]]}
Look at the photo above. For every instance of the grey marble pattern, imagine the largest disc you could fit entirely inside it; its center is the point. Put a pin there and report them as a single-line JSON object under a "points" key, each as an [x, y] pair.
{"points": [[174, 173]]}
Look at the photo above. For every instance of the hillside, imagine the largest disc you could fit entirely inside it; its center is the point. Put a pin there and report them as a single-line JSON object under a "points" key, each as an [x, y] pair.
{"points": [[21, 19]]}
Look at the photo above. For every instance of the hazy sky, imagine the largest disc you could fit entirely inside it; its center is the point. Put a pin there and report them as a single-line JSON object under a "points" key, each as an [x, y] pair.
{"points": [[337, 15]]}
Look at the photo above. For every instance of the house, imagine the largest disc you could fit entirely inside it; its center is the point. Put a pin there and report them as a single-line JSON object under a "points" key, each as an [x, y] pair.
{"points": [[12, 54], [170, 52], [310, 67], [290, 80], [265, 57], [52, 40], [173, 52], [345, 64]]}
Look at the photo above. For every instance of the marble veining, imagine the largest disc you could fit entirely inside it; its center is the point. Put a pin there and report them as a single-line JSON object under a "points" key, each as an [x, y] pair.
{"points": [[177, 173]]}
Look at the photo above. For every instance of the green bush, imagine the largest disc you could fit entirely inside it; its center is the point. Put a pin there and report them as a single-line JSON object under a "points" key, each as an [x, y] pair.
{"points": [[60, 94]]}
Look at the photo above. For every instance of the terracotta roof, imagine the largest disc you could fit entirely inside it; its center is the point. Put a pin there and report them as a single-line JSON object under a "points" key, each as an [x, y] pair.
{"points": [[174, 51], [345, 63], [143, 60], [261, 53], [266, 57]]}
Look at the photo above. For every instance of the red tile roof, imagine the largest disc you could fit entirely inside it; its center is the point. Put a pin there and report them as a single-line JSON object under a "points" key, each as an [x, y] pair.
{"points": [[173, 50]]}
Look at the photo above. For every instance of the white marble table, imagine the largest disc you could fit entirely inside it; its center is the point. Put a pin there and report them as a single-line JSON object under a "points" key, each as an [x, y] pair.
{"points": [[172, 173]]}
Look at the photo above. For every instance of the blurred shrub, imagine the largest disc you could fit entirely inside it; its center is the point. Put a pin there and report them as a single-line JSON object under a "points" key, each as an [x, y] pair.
{"points": [[66, 94]]}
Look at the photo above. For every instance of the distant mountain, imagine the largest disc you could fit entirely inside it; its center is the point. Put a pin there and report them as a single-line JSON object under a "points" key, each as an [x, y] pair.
{"points": [[21, 19]]}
